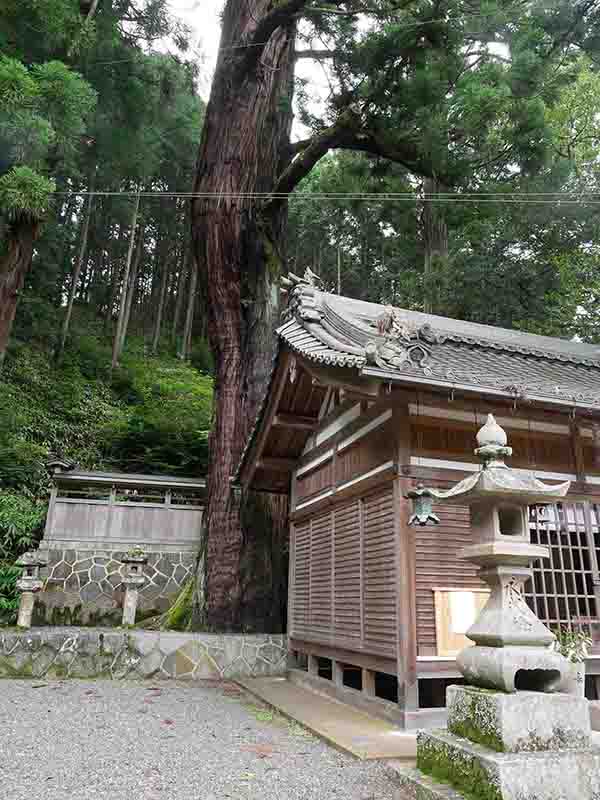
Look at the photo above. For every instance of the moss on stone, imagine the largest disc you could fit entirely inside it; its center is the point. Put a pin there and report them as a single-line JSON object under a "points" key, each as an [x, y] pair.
{"points": [[467, 730], [178, 617], [475, 719], [465, 774]]}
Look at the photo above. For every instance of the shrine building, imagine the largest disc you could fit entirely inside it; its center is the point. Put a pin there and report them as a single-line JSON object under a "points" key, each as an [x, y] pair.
{"points": [[365, 403]]}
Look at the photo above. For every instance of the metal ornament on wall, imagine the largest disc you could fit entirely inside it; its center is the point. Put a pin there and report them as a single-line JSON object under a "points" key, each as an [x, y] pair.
{"points": [[422, 500]]}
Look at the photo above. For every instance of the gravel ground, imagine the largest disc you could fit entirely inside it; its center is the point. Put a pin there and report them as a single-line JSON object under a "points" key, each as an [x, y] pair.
{"points": [[111, 740]]}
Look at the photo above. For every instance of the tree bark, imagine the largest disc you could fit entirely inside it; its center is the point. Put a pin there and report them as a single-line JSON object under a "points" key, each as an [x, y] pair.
{"points": [[114, 279], [14, 265], [244, 148], [78, 264], [435, 241], [184, 350], [180, 289], [131, 288], [160, 306], [117, 338]]}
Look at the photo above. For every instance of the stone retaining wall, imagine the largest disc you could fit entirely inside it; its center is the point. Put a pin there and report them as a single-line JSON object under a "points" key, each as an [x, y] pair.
{"points": [[97, 653], [84, 587]]}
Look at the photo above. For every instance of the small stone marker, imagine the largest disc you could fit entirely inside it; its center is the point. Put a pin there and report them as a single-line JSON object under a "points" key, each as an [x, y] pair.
{"points": [[29, 584], [133, 581]]}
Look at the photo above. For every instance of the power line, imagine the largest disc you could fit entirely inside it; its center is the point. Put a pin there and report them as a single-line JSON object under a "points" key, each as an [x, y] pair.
{"points": [[516, 198], [402, 26]]}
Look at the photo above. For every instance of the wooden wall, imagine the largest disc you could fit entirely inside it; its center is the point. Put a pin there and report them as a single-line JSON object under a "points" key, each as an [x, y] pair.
{"points": [[343, 575], [344, 581]]}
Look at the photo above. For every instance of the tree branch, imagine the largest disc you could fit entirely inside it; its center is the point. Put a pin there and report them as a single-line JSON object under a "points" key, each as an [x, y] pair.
{"points": [[281, 15], [318, 55], [348, 133]]}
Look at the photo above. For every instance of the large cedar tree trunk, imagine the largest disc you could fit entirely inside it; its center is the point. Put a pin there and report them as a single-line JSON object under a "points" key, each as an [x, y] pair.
{"points": [[435, 241], [14, 266], [237, 242]]}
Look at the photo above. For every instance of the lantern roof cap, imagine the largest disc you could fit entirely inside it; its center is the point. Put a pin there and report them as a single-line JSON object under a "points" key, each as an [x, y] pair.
{"points": [[497, 482]]}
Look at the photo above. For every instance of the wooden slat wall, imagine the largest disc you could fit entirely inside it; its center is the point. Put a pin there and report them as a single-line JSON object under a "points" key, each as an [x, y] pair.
{"points": [[454, 440], [301, 570], [348, 620], [379, 574], [344, 580], [315, 481], [365, 454], [321, 588], [439, 566]]}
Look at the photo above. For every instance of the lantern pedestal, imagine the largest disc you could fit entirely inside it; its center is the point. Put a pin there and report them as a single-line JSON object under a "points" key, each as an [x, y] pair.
{"points": [[133, 582], [29, 584]]}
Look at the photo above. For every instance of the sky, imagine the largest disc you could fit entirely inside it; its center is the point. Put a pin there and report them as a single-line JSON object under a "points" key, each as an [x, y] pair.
{"points": [[203, 18]]}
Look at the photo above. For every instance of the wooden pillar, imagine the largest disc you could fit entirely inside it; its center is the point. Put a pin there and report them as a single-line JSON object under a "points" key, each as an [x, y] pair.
{"points": [[368, 682], [577, 447], [337, 672], [51, 508], [408, 696], [406, 613]]}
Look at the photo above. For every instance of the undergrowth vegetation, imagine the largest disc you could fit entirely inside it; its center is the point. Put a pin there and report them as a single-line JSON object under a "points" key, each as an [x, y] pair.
{"points": [[152, 415]]}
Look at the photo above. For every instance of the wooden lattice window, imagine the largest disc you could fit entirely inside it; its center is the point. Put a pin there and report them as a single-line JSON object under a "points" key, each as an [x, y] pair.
{"points": [[562, 589]]}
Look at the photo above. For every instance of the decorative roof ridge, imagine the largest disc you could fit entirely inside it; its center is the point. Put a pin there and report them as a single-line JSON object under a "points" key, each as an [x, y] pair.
{"points": [[363, 337], [489, 344]]}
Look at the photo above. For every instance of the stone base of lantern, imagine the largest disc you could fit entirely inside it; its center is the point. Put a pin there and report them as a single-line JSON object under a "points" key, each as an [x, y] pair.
{"points": [[510, 668], [519, 722], [453, 768]]}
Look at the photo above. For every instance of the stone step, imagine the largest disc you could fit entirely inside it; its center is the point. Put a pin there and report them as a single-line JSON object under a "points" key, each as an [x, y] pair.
{"points": [[339, 724], [476, 770], [414, 785]]}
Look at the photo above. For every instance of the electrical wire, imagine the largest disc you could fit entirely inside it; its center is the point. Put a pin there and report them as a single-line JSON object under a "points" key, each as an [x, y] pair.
{"points": [[516, 198]]}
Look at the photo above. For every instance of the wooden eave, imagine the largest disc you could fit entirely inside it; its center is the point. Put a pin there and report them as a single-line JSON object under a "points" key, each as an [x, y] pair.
{"points": [[288, 418]]}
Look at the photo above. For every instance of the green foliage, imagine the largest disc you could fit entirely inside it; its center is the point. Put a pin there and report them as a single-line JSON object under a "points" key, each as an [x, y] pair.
{"points": [[66, 100], [166, 426], [24, 193], [17, 87], [9, 597], [179, 616], [21, 521], [573, 645]]}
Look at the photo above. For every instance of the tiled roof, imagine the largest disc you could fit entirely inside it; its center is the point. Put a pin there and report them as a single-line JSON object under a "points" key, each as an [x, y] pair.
{"points": [[340, 331], [403, 345]]}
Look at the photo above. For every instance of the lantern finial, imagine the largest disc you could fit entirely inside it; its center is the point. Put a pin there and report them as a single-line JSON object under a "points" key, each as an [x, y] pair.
{"points": [[492, 441]]}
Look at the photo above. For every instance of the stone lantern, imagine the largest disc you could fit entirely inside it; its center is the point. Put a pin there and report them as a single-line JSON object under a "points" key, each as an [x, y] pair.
{"points": [[133, 582], [512, 734], [511, 644], [29, 584]]}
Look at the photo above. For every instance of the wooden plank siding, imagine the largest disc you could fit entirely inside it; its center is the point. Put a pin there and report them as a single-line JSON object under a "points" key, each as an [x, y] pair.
{"points": [[439, 566], [453, 440], [349, 551], [344, 577]]}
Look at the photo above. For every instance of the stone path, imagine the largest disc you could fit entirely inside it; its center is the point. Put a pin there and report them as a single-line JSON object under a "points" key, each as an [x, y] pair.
{"points": [[120, 740]]}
